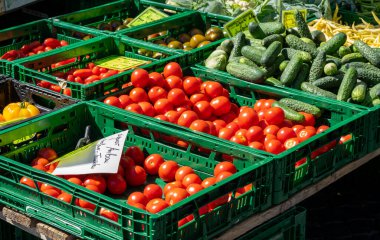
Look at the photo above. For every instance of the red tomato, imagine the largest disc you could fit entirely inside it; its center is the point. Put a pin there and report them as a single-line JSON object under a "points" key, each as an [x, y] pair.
{"points": [[213, 89], [27, 181], [40, 167], [108, 214], [167, 171], [247, 118], [113, 101], [305, 134], [126, 161], [239, 140], [67, 91], [345, 138], [222, 175], [241, 133], [234, 126], [268, 104], [192, 85], [173, 69], [75, 180], [138, 205], [219, 124], [186, 118], [65, 197], [46, 186], [274, 116], [194, 188], [271, 129], [254, 133], [55, 88], [156, 93], [153, 191], [274, 146], [134, 107], [135, 176], [182, 222], [162, 118], [173, 82], [291, 142], [226, 93], [208, 182], [52, 192], [156, 205], [269, 137], [97, 180], [96, 70], [147, 109], [136, 154], [203, 109], [137, 197], [138, 95], [259, 104], [152, 163], [140, 78], [176, 195], [125, 100], [197, 97], [52, 42], [40, 161], [256, 145], [229, 117], [226, 133], [221, 105], [156, 79], [172, 185], [182, 172], [285, 133], [176, 96], [322, 128], [63, 43], [191, 178], [224, 167], [297, 128], [200, 126], [163, 105], [309, 119], [261, 115], [172, 116], [116, 184]]}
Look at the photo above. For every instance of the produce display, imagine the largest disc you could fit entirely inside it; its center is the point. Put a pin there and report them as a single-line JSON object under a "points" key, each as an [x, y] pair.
{"points": [[269, 125], [14, 112], [302, 59], [33, 48]]}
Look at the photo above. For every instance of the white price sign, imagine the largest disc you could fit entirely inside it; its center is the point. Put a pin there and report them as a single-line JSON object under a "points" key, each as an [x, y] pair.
{"points": [[102, 156]]}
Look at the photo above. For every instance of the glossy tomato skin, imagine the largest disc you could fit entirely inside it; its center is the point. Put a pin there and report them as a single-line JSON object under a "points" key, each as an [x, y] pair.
{"points": [[213, 89], [113, 101], [134, 107], [147, 109], [137, 197], [221, 105], [186, 118], [200, 126], [192, 85], [203, 109], [152, 163], [97, 180], [254, 133], [138, 95], [176, 195], [136, 154], [173, 69], [274, 116], [176, 97], [226, 133], [167, 171], [135, 176], [163, 105], [247, 118], [108, 214], [309, 119], [125, 100], [156, 205], [173, 82], [194, 188], [140, 78], [273, 146], [116, 184], [156, 93], [285, 133], [152, 191], [256, 145], [182, 172], [156, 79], [208, 182], [190, 179], [47, 153]]}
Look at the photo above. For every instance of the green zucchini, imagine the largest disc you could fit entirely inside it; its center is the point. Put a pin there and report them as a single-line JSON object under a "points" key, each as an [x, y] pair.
{"points": [[256, 31]]}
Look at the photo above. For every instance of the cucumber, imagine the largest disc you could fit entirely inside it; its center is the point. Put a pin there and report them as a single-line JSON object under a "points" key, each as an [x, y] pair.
{"points": [[376, 102], [227, 45], [332, 59], [301, 106], [290, 52], [374, 92], [270, 28], [308, 41], [272, 38], [368, 53], [270, 55], [369, 76], [273, 70], [217, 60], [328, 82], [330, 69], [360, 65], [252, 54], [332, 45], [290, 114], [256, 31], [254, 41], [359, 92], [347, 84], [243, 60], [302, 76], [302, 26], [310, 88], [271, 81], [343, 51], [296, 43], [245, 72], [353, 57], [239, 42], [259, 47], [283, 65], [316, 69], [291, 70], [318, 36]]}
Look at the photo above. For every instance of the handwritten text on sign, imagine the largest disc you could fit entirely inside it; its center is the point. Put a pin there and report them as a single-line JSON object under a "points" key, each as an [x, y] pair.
{"points": [[102, 156]]}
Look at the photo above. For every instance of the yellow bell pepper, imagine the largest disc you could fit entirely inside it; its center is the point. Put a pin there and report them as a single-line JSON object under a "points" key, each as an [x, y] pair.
{"points": [[19, 110]]}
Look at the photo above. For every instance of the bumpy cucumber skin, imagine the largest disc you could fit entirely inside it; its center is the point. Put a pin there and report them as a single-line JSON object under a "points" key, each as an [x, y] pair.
{"points": [[271, 81], [239, 42], [360, 65], [374, 92], [227, 45], [347, 85], [310, 88], [252, 54], [270, 28], [332, 59], [256, 31], [296, 43], [328, 82], [353, 57], [332, 45], [367, 52], [273, 69], [290, 52], [359, 92], [290, 114], [302, 26], [272, 38], [371, 77], [302, 76], [291, 70], [316, 69], [271, 54], [343, 51], [245, 72], [301, 106]]}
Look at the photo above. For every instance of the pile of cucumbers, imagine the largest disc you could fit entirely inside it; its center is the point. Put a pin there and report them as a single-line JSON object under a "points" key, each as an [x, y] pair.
{"points": [[301, 59]]}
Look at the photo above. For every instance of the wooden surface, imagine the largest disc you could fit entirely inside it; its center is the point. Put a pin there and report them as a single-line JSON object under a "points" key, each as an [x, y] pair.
{"points": [[258, 219]]}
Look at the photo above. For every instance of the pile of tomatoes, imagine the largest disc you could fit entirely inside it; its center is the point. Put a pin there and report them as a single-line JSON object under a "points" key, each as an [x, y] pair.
{"points": [[206, 107], [33, 48], [181, 182]]}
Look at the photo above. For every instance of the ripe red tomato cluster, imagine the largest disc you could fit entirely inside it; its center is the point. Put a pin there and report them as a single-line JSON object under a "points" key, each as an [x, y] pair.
{"points": [[206, 107], [182, 181], [33, 48]]}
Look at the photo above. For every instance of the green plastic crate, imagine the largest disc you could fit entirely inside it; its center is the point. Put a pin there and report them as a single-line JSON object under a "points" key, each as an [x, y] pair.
{"points": [[61, 131], [290, 225], [188, 20], [38, 67], [342, 118], [15, 37], [12, 90], [92, 17]]}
